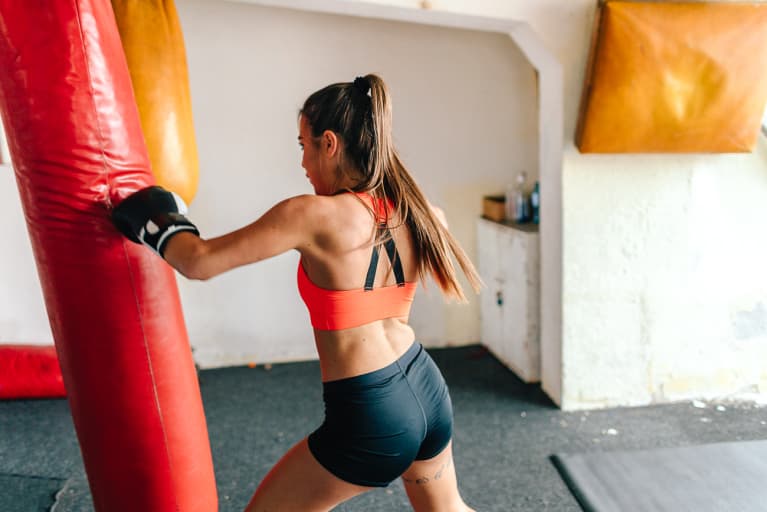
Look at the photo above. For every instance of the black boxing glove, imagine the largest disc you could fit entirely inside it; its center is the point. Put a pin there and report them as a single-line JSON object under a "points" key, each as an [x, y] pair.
{"points": [[152, 216]]}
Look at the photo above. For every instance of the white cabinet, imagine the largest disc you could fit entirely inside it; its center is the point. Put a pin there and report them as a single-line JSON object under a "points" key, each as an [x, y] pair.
{"points": [[509, 263]]}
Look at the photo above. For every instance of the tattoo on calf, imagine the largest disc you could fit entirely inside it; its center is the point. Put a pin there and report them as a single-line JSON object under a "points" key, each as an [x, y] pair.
{"points": [[425, 479]]}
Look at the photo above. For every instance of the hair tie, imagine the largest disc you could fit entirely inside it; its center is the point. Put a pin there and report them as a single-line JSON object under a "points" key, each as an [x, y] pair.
{"points": [[362, 84]]}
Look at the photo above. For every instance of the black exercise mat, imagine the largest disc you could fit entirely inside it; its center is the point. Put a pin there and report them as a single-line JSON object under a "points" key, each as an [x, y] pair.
{"points": [[723, 477], [22, 493]]}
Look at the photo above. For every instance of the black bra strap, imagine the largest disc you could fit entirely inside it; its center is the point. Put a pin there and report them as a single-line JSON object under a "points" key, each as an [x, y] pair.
{"points": [[371, 277], [391, 251]]}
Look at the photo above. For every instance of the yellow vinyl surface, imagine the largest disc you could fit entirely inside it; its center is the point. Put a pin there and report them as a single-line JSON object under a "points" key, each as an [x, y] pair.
{"points": [[675, 77], [154, 47]]}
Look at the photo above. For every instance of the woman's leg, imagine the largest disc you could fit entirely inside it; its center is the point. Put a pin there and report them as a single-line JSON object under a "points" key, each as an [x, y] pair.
{"points": [[432, 485], [298, 483]]}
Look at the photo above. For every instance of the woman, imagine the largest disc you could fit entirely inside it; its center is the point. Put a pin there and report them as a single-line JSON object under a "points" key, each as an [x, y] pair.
{"points": [[388, 411]]}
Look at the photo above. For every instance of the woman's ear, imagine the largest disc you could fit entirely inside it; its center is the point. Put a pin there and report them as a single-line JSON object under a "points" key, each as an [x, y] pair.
{"points": [[329, 143]]}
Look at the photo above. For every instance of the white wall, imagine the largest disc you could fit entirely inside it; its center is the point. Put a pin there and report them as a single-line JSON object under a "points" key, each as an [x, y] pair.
{"points": [[464, 121], [666, 288], [4, 153], [22, 312]]}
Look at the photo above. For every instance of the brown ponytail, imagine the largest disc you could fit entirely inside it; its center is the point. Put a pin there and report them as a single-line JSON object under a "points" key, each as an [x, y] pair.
{"points": [[360, 113]]}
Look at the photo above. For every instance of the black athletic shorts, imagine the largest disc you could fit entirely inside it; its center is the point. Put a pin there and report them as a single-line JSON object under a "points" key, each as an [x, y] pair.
{"points": [[378, 423]]}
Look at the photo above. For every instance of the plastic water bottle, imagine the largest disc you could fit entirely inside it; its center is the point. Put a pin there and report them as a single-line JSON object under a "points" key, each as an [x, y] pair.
{"points": [[521, 205], [508, 205]]}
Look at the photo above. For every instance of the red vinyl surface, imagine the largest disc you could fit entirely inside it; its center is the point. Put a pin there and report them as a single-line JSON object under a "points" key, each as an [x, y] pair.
{"points": [[76, 147], [30, 371]]}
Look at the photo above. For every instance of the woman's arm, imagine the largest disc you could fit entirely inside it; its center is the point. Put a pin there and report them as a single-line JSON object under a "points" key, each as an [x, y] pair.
{"points": [[155, 217], [287, 225]]}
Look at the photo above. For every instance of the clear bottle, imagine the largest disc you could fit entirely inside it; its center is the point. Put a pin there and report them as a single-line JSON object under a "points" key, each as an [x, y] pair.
{"points": [[535, 203], [520, 202], [508, 205]]}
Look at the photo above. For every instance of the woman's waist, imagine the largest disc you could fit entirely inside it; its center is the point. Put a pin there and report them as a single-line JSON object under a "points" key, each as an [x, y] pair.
{"points": [[380, 378], [352, 352]]}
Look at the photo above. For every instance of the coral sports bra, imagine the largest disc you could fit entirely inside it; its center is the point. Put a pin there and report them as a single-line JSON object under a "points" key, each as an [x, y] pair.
{"points": [[332, 310]]}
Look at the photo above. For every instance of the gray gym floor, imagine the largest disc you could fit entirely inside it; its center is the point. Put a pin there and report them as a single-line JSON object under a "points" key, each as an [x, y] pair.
{"points": [[505, 432]]}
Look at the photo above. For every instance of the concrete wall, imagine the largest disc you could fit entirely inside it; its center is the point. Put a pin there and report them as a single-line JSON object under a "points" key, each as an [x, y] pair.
{"points": [[665, 283]]}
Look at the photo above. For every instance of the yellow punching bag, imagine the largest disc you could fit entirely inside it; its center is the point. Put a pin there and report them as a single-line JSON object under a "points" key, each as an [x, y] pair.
{"points": [[154, 47]]}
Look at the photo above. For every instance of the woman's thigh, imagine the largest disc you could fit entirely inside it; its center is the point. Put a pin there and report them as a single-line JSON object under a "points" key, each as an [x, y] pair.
{"points": [[298, 483]]}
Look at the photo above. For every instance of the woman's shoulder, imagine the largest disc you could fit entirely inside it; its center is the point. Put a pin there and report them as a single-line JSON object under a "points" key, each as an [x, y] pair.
{"points": [[332, 225], [324, 206], [330, 214]]}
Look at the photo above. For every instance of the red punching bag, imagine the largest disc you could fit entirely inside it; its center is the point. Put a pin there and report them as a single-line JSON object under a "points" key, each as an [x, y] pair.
{"points": [[76, 146], [30, 371]]}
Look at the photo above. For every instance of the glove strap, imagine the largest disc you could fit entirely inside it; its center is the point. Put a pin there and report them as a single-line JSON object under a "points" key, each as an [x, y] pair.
{"points": [[157, 232]]}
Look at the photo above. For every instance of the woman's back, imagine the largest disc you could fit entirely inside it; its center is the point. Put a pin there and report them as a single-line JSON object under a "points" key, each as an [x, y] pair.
{"points": [[340, 260]]}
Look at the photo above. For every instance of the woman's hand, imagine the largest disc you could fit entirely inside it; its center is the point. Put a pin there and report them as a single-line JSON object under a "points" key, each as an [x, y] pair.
{"points": [[152, 216]]}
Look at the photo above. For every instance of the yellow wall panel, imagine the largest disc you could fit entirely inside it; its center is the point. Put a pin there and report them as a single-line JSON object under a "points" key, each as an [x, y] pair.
{"points": [[675, 77], [154, 47]]}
